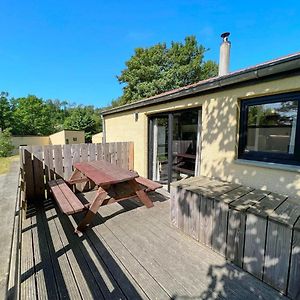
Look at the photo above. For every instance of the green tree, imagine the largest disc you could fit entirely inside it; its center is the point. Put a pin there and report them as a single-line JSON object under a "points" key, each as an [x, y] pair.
{"points": [[81, 118], [157, 69], [58, 111], [32, 116], [5, 111], [6, 146]]}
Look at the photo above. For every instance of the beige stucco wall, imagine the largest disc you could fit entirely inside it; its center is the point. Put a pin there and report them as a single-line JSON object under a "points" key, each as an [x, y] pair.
{"points": [[77, 135], [97, 138], [28, 140], [57, 138], [220, 112], [60, 137]]}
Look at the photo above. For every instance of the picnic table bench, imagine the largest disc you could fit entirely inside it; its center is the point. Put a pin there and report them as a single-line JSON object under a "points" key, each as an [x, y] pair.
{"points": [[67, 201], [114, 184]]}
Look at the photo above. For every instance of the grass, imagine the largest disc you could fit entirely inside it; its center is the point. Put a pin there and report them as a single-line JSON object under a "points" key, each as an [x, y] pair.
{"points": [[5, 163]]}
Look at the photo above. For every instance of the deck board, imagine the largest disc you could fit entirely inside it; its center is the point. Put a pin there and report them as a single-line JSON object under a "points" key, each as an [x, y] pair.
{"points": [[28, 286], [131, 252], [185, 268], [65, 280]]}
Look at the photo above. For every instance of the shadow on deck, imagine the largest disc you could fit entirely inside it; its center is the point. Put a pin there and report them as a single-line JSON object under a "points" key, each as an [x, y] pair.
{"points": [[130, 252]]}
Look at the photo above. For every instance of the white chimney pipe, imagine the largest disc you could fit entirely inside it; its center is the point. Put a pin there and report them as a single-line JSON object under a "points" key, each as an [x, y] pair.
{"points": [[224, 54]]}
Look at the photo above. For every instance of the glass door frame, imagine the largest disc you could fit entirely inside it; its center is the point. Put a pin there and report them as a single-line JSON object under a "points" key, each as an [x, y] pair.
{"points": [[170, 116]]}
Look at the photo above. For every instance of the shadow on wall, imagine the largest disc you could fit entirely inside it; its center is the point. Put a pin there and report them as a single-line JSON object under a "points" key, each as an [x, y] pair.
{"points": [[219, 150]]}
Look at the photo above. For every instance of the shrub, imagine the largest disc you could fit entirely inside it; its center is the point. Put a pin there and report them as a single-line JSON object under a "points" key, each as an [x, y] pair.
{"points": [[6, 146]]}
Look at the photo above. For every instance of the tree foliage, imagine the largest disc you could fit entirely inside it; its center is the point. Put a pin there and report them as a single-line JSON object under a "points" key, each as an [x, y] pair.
{"points": [[80, 118], [6, 146], [31, 116], [34, 116], [151, 71], [5, 111]]}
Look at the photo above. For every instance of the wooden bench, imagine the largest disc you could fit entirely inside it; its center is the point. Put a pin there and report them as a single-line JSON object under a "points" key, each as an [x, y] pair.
{"points": [[148, 184], [65, 198], [70, 204]]}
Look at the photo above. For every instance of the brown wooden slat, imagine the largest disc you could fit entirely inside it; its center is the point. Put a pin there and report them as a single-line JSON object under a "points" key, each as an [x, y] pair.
{"points": [[84, 150], [66, 281], [151, 185], [106, 154], [125, 156], [267, 205], [118, 155], [234, 194], [83, 276], [28, 174], [39, 184], [75, 149], [287, 213], [255, 239], [256, 233], [131, 156], [248, 200], [103, 173], [174, 196], [92, 151], [67, 163], [112, 152], [278, 246], [27, 278], [48, 160], [70, 196], [60, 198], [58, 161], [99, 150], [294, 272]]}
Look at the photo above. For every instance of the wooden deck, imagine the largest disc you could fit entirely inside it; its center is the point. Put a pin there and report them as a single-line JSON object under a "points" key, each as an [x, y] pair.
{"points": [[131, 253]]}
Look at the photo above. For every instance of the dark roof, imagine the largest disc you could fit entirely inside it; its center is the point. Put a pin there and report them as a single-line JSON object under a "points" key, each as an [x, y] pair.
{"points": [[273, 67]]}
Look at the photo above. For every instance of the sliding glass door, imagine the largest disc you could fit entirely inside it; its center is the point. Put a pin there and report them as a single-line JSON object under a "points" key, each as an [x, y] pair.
{"points": [[184, 144], [173, 143], [160, 149]]}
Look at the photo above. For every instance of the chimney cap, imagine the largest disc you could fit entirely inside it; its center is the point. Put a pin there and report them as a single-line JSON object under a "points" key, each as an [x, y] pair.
{"points": [[225, 35]]}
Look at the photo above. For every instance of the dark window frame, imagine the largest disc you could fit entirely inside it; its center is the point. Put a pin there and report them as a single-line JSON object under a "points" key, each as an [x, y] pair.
{"points": [[281, 158]]}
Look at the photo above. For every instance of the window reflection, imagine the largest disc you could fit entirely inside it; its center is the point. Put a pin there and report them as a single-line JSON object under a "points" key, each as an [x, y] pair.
{"points": [[272, 127]]}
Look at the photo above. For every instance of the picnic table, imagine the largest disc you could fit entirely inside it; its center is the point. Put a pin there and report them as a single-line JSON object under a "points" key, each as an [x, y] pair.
{"points": [[113, 184]]}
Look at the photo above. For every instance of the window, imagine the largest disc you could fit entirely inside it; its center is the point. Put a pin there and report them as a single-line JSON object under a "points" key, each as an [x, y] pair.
{"points": [[270, 129], [74, 139], [67, 141]]}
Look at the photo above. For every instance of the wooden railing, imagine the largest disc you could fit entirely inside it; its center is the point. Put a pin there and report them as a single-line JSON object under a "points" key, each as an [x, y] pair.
{"points": [[39, 164]]}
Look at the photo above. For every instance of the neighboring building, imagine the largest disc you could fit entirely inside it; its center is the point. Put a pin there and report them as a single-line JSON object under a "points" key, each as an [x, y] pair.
{"points": [[67, 137], [241, 127], [59, 138], [97, 138], [26, 140]]}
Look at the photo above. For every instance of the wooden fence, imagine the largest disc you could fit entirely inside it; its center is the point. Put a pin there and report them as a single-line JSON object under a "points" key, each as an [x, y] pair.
{"points": [[39, 164], [257, 230]]}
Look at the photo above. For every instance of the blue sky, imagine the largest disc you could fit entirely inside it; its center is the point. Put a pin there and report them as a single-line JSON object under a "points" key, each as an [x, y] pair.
{"points": [[73, 50]]}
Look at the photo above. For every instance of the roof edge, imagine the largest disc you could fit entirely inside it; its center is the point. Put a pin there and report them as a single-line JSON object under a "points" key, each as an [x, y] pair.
{"points": [[277, 66]]}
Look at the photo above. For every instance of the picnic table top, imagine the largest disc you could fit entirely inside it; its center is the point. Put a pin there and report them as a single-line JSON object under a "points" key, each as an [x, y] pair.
{"points": [[103, 173]]}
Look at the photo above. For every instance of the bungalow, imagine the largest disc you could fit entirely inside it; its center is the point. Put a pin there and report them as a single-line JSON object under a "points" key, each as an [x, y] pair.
{"points": [[59, 138], [242, 127]]}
